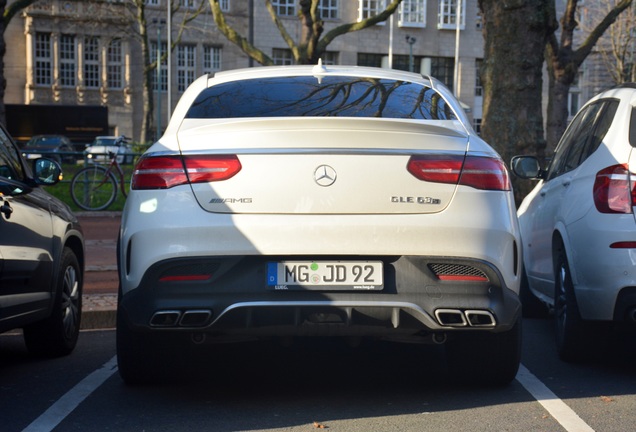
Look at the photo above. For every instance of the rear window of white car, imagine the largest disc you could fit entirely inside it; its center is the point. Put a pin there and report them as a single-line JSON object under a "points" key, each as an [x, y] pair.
{"points": [[331, 96]]}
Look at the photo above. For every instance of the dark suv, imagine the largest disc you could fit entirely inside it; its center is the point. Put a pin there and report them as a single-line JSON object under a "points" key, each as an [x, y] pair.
{"points": [[41, 255]]}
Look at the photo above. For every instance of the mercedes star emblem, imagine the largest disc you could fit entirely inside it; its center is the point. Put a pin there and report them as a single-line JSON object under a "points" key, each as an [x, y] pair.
{"points": [[325, 175]]}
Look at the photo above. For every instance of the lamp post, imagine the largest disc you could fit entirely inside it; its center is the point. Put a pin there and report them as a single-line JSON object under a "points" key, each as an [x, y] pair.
{"points": [[410, 40], [159, 23], [169, 66]]}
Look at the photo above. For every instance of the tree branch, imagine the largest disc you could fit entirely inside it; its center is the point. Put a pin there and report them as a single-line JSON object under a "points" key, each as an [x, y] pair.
{"points": [[586, 47], [234, 37], [11, 10], [360, 25], [283, 31]]}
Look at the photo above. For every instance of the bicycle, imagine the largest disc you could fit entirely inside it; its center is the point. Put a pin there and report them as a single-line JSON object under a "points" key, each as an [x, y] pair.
{"points": [[95, 187]]}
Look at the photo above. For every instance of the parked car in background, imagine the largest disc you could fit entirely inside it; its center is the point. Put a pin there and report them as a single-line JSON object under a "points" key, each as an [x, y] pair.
{"points": [[306, 201], [102, 146], [577, 225], [56, 147], [41, 255]]}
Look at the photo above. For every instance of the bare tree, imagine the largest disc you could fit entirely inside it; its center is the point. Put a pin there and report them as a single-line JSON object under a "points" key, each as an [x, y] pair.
{"points": [[564, 61], [8, 12], [617, 48], [312, 43], [138, 14]]}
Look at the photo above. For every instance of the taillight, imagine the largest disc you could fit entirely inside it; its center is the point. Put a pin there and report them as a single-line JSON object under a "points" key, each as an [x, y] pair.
{"points": [[163, 172], [612, 190], [475, 171]]}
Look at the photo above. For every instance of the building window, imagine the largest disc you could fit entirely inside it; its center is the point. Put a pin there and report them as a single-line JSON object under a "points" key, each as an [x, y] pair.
{"points": [[443, 68], [115, 63], [479, 89], [574, 97], [477, 125], [186, 63], [403, 62], [369, 8], [68, 61], [328, 9], [329, 58], [91, 62], [284, 7], [164, 66], [373, 60], [412, 13], [282, 56], [225, 5], [211, 59], [447, 14], [152, 2], [43, 57], [187, 3]]}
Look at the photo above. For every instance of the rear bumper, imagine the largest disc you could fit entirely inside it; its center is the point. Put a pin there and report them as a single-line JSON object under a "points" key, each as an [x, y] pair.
{"points": [[235, 300]]}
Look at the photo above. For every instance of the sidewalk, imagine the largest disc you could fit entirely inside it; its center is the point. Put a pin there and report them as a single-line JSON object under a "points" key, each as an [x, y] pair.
{"points": [[99, 302]]}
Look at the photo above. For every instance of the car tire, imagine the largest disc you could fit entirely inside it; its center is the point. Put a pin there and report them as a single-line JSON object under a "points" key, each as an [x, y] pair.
{"points": [[135, 361], [532, 307], [57, 335], [146, 358], [485, 358], [569, 327]]}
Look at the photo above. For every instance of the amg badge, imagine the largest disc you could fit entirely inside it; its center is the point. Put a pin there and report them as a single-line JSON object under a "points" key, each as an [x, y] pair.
{"points": [[231, 201]]}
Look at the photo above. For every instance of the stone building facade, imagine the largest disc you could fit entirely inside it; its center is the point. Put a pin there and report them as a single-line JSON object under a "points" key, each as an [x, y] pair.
{"points": [[88, 52]]}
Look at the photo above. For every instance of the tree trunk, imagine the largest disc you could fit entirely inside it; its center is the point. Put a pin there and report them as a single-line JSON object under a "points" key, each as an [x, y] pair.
{"points": [[557, 110], [515, 34], [3, 50], [147, 97]]}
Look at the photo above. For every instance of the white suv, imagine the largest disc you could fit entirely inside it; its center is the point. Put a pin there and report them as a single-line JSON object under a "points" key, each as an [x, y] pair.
{"points": [[578, 228], [311, 201]]}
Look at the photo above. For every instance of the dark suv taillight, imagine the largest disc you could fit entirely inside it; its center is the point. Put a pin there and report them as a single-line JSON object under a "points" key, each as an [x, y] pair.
{"points": [[479, 172], [613, 190], [163, 172]]}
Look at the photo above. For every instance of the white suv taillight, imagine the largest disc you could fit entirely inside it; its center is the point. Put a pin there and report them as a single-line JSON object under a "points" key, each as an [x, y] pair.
{"points": [[475, 171], [613, 191], [163, 172]]}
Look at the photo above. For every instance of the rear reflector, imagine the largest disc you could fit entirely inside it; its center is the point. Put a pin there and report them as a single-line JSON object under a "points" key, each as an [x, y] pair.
{"points": [[464, 278], [458, 272], [478, 172], [185, 278], [163, 172], [624, 245]]}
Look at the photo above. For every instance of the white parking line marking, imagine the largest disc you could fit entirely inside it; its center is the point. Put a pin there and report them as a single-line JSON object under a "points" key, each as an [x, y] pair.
{"points": [[562, 413], [52, 417], [67, 403]]}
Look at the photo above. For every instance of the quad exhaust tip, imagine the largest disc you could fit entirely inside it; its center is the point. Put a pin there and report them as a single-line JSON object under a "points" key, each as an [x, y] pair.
{"points": [[176, 318], [465, 318]]}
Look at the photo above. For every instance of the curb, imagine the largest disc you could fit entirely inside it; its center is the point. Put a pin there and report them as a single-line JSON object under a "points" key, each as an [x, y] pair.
{"points": [[87, 214], [98, 320], [99, 311]]}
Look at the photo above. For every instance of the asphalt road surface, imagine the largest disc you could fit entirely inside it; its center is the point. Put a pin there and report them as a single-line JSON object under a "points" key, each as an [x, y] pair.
{"points": [[317, 385]]}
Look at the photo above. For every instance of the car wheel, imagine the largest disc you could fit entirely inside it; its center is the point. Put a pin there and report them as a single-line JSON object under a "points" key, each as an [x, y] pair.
{"points": [[146, 358], [532, 306], [134, 358], [568, 323], [484, 358], [57, 335]]}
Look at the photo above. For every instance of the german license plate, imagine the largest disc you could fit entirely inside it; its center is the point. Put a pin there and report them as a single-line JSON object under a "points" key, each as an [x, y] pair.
{"points": [[325, 275]]}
